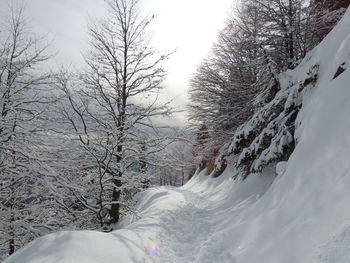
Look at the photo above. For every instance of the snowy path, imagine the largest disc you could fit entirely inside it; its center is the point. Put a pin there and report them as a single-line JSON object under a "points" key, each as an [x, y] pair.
{"points": [[187, 233]]}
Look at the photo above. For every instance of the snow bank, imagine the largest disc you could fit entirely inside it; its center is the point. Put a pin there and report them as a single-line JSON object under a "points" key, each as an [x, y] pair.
{"points": [[304, 216], [136, 242], [299, 216], [78, 247]]}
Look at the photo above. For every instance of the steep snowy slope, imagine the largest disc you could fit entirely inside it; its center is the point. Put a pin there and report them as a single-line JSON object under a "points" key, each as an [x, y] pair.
{"points": [[301, 215]]}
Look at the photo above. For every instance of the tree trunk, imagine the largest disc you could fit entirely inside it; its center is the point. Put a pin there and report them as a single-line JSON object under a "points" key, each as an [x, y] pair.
{"points": [[11, 246], [291, 35], [182, 177], [12, 233], [115, 207]]}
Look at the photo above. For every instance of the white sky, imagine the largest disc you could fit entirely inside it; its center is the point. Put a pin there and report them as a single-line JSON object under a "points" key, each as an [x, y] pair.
{"points": [[189, 26]]}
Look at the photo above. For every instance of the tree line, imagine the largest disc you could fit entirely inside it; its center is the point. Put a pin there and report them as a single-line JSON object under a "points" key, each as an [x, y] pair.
{"points": [[260, 40]]}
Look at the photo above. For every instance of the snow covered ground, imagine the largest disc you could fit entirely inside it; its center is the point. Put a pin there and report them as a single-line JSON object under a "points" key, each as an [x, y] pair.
{"points": [[176, 225], [300, 215]]}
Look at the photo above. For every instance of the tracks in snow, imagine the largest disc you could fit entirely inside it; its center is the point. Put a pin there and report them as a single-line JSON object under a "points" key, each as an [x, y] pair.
{"points": [[187, 234]]}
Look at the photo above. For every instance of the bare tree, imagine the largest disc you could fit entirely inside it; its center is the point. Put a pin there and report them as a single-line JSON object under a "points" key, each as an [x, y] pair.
{"points": [[225, 84], [325, 14], [111, 109], [24, 94], [178, 163]]}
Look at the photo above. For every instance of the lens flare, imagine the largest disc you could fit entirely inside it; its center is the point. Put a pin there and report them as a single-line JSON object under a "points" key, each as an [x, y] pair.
{"points": [[153, 249]]}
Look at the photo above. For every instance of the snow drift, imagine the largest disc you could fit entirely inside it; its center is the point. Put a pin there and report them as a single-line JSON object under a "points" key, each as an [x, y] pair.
{"points": [[299, 215]]}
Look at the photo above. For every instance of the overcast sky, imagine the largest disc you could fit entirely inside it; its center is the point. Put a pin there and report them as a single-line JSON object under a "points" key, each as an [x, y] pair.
{"points": [[189, 26]]}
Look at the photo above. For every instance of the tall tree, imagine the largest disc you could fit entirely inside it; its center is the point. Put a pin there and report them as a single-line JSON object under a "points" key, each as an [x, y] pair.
{"points": [[112, 107], [24, 96]]}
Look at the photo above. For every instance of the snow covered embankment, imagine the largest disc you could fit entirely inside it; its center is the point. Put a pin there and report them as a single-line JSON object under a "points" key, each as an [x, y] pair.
{"points": [[300, 216]]}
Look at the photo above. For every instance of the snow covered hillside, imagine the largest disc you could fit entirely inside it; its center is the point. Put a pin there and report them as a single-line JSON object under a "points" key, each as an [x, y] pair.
{"points": [[299, 215]]}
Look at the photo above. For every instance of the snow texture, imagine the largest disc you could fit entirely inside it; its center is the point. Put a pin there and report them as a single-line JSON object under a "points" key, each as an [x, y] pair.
{"points": [[301, 216]]}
